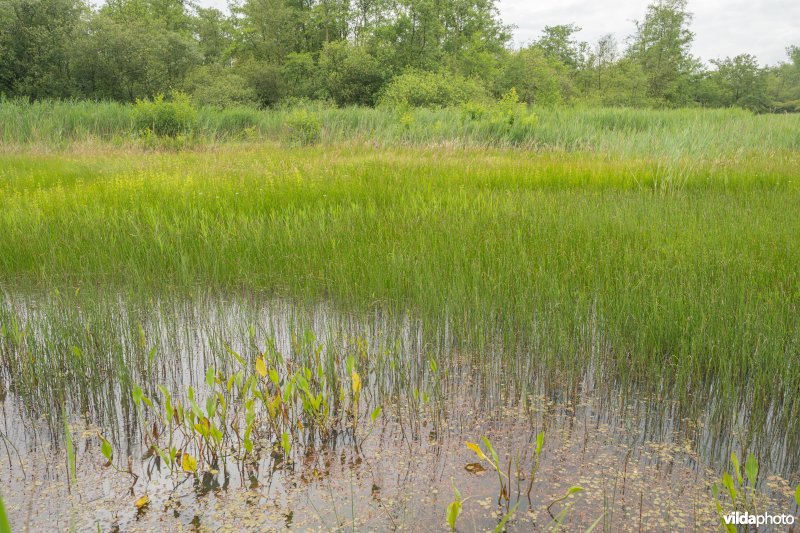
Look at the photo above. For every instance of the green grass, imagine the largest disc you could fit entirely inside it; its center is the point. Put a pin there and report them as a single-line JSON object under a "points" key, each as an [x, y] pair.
{"points": [[669, 134], [658, 248], [685, 272]]}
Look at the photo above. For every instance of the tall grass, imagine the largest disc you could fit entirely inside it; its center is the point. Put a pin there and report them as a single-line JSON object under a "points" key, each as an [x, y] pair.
{"points": [[682, 275], [694, 133]]}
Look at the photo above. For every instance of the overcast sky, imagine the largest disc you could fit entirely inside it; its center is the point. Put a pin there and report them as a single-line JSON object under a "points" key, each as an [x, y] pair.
{"points": [[722, 27]]}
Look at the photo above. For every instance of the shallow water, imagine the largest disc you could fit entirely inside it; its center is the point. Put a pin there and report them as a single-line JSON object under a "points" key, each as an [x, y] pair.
{"points": [[644, 461]]}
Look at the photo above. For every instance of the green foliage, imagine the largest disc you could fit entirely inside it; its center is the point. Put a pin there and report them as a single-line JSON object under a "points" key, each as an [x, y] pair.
{"points": [[304, 127], [5, 527], [165, 118], [446, 53], [536, 78], [454, 508], [416, 88], [350, 74], [214, 86], [661, 45]]}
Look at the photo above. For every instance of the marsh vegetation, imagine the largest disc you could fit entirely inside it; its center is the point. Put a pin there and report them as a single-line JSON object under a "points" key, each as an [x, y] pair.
{"points": [[248, 327]]}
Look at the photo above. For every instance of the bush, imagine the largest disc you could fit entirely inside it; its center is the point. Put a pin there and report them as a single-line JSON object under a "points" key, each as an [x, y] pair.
{"points": [[350, 74], [220, 87], [304, 127], [165, 118], [431, 89]]}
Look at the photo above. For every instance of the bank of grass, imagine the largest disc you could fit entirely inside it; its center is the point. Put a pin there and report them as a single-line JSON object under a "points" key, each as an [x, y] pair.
{"points": [[678, 275], [616, 132]]}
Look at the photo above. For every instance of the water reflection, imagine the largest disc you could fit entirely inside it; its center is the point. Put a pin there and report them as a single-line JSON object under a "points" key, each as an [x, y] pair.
{"points": [[82, 357]]}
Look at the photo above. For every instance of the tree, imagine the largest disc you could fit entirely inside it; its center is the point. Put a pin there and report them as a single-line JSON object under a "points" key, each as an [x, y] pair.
{"points": [[37, 41], [739, 82], [350, 74], [537, 78], [661, 46], [135, 49], [558, 42], [783, 83]]}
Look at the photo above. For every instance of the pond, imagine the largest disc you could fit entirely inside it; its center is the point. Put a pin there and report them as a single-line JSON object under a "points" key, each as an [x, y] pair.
{"points": [[209, 411]]}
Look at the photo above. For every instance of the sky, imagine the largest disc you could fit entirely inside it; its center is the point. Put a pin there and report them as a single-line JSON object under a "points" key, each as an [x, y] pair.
{"points": [[722, 27]]}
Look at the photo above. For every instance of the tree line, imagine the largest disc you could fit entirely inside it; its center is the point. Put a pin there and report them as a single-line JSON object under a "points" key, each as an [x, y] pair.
{"points": [[362, 52]]}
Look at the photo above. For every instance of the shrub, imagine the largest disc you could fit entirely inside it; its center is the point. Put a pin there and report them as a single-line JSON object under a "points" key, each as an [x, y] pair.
{"points": [[304, 127], [431, 89], [350, 74], [165, 118], [220, 87]]}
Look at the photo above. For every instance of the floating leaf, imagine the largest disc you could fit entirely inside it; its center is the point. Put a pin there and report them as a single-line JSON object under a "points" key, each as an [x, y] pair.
{"points": [[475, 468], [188, 463], [261, 367], [142, 502]]}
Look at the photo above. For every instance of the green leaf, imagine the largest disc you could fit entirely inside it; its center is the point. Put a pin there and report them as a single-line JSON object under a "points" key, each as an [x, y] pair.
{"points": [[137, 395], [375, 414], [574, 489], [737, 468], [453, 512], [501, 526], [727, 481], [751, 469], [235, 355], [210, 376], [539, 442], [797, 495], [70, 448], [491, 450], [286, 443], [106, 448], [5, 527], [456, 492]]}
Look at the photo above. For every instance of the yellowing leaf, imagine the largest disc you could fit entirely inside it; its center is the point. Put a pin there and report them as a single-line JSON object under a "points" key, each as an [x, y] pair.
{"points": [[261, 367], [356, 383], [142, 502], [189, 463], [477, 449]]}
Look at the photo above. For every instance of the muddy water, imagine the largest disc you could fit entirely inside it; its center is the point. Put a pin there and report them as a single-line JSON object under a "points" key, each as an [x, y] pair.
{"points": [[642, 464]]}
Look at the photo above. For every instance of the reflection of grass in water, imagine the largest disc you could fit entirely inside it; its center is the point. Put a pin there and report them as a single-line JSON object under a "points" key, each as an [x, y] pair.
{"points": [[666, 273]]}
